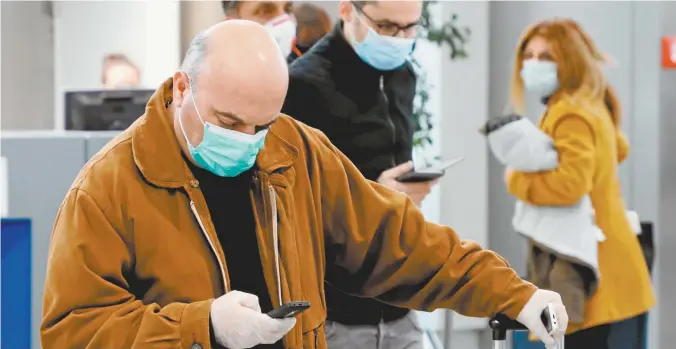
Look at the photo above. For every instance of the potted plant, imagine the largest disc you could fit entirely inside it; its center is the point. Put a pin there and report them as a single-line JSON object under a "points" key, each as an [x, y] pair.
{"points": [[445, 34]]}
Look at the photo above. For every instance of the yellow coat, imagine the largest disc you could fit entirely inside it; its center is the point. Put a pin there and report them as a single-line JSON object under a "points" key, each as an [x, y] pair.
{"points": [[590, 148]]}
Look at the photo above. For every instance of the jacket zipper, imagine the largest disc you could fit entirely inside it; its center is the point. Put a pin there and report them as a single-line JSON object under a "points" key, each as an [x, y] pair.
{"points": [[389, 117], [275, 241], [211, 244]]}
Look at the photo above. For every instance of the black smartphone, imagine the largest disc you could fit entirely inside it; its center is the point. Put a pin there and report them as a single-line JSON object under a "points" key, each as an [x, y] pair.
{"points": [[429, 173], [417, 177], [289, 309]]}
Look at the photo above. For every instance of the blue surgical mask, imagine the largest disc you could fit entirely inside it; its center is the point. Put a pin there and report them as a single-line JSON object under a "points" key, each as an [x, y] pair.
{"points": [[540, 77], [383, 52], [224, 152]]}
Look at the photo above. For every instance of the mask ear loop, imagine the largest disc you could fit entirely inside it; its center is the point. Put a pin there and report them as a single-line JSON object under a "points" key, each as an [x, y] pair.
{"points": [[194, 103], [180, 116]]}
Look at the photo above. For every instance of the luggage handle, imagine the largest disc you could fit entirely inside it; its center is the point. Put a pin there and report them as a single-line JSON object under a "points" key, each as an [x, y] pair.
{"points": [[500, 324]]}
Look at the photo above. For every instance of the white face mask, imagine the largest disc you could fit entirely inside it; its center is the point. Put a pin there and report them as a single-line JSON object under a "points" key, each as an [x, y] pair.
{"points": [[540, 77], [283, 29]]}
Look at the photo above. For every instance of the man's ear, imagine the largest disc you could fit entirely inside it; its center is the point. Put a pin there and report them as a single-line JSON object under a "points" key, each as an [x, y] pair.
{"points": [[180, 88], [346, 10]]}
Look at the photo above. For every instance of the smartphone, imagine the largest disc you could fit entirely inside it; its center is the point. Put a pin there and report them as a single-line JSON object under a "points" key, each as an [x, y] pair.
{"points": [[549, 319], [429, 173], [289, 309]]}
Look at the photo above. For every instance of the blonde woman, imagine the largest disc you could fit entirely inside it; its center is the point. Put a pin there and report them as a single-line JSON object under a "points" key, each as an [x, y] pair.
{"points": [[559, 63]]}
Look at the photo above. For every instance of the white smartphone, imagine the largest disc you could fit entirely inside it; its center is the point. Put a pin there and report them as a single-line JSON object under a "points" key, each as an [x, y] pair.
{"points": [[429, 173], [549, 319]]}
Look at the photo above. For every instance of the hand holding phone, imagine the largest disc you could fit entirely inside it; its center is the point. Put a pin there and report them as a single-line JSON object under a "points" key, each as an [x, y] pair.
{"points": [[237, 322], [552, 323], [428, 173], [549, 319]]}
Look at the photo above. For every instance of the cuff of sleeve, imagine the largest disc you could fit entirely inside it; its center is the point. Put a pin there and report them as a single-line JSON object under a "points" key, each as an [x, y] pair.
{"points": [[195, 325], [518, 293]]}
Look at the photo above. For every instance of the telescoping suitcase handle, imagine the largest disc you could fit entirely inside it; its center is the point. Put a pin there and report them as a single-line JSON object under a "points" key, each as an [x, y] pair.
{"points": [[500, 324]]}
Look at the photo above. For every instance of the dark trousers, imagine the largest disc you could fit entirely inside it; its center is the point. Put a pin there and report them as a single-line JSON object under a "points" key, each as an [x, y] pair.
{"points": [[627, 334], [591, 338]]}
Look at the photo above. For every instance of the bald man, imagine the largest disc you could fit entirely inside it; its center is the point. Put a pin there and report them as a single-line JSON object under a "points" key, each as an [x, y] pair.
{"points": [[213, 208]]}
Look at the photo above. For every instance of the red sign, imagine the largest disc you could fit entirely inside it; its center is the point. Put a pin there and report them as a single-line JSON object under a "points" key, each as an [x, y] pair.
{"points": [[669, 52]]}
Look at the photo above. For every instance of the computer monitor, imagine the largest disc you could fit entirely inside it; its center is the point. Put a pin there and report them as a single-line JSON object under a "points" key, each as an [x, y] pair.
{"points": [[104, 110]]}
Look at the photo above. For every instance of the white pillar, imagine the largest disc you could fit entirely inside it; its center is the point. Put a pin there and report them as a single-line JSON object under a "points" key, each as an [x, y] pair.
{"points": [[464, 108]]}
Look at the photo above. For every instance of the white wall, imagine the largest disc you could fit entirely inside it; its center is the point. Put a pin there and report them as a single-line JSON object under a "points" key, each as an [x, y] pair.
{"points": [[147, 32], [27, 66]]}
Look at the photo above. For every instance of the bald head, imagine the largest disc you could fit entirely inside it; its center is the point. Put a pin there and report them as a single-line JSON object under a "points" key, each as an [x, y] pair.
{"points": [[234, 76], [237, 54]]}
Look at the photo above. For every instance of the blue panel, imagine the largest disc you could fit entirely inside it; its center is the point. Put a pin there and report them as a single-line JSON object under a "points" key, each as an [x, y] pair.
{"points": [[520, 341], [15, 315]]}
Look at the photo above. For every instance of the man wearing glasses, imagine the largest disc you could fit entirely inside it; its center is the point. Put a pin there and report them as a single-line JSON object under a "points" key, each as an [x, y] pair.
{"points": [[357, 86]]}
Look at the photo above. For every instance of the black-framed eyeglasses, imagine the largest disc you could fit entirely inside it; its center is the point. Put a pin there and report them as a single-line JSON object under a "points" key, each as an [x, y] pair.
{"points": [[387, 28]]}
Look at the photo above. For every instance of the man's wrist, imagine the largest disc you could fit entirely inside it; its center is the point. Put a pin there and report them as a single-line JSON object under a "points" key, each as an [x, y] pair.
{"points": [[196, 324], [518, 293]]}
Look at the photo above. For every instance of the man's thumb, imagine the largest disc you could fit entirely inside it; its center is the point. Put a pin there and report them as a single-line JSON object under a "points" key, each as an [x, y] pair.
{"points": [[400, 169]]}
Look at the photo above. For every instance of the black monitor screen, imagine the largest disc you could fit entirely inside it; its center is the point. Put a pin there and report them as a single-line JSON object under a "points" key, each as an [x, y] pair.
{"points": [[104, 110]]}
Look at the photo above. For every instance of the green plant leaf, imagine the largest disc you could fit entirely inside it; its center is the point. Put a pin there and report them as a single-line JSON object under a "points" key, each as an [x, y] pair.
{"points": [[447, 34]]}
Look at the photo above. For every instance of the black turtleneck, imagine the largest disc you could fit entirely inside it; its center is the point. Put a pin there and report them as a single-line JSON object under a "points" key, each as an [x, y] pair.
{"points": [[231, 212]]}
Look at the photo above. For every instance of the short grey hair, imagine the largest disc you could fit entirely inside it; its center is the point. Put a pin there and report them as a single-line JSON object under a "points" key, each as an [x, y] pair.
{"points": [[195, 57]]}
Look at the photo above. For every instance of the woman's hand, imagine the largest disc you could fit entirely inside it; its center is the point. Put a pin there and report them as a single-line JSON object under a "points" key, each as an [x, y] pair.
{"points": [[508, 173]]}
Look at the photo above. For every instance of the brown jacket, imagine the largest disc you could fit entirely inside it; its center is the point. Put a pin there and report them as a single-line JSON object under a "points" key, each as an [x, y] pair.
{"points": [[135, 261]]}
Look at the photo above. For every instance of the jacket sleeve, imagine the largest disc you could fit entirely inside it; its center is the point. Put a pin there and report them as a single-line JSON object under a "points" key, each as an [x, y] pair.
{"points": [[382, 247], [87, 302], [622, 147], [572, 179]]}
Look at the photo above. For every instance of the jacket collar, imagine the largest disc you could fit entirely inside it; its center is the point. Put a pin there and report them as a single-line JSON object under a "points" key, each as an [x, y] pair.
{"points": [[157, 152]]}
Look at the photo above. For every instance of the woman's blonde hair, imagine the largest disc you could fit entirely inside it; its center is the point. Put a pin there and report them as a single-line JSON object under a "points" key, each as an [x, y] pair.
{"points": [[578, 61]]}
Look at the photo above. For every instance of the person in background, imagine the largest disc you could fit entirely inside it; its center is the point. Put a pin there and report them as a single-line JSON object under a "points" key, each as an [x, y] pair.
{"points": [[213, 208], [313, 23], [558, 61], [118, 72], [357, 86], [275, 16]]}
